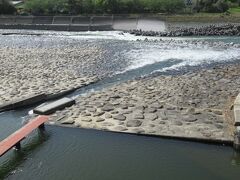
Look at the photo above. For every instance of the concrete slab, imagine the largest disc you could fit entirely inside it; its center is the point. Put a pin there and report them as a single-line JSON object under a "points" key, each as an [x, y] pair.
{"points": [[81, 20], [54, 106], [101, 28], [24, 20], [62, 20], [42, 20], [7, 20], [237, 111], [102, 20], [79, 27]]}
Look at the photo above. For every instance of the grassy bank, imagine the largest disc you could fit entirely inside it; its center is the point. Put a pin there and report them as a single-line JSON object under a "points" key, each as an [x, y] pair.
{"points": [[197, 17], [235, 10], [205, 17]]}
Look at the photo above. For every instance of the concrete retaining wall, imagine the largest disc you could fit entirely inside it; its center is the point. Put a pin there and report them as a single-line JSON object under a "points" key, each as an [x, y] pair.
{"points": [[237, 111], [237, 123], [7, 20], [32, 99], [42, 20], [24, 20], [62, 20], [57, 27], [82, 23], [81, 20], [118, 22], [102, 20], [123, 23], [57, 23]]}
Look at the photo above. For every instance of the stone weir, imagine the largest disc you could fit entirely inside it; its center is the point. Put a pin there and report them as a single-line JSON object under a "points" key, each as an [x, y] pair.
{"points": [[195, 106], [210, 30]]}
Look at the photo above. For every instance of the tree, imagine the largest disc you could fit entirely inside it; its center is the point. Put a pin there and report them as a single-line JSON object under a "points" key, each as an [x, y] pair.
{"points": [[40, 7], [212, 6], [173, 6], [109, 6], [6, 7], [103, 6], [221, 6]]}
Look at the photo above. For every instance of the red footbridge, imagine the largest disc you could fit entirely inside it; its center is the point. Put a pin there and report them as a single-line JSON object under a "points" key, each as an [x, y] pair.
{"points": [[15, 139]]}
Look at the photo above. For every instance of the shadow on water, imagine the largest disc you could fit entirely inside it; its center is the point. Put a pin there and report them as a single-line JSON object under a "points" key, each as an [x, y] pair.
{"points": [[236, 158], [126, 76], [14, 158]]}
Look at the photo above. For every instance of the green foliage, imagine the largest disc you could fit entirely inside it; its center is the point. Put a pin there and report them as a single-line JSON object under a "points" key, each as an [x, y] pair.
{"points": [[103, 6], [221, 6], [172, 6], [212, 6], [38, 7], [234, 10], [6, 7]]}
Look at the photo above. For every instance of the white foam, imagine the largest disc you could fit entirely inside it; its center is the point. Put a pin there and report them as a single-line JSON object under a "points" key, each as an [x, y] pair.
{"points": [[116, 35], [165, 50], [30, 112], [187, 56]]}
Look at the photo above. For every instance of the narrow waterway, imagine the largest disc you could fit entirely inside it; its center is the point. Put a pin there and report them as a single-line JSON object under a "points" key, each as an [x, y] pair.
{"points": [[64, 153], [68, 153]]}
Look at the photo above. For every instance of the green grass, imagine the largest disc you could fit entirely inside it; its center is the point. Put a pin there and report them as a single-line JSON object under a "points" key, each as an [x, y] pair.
{"points": [[205, 17], [235, 10]]}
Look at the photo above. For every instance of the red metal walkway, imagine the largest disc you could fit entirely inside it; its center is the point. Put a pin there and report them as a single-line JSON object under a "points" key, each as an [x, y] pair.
{"points": [[20, 134]]}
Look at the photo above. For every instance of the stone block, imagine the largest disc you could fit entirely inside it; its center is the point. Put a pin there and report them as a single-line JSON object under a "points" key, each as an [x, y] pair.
{"points": [[54, 106]]}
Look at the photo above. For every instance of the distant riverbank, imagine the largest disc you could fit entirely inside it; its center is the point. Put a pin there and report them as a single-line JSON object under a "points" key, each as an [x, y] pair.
{"points": [[205, 17], [145, 22]]}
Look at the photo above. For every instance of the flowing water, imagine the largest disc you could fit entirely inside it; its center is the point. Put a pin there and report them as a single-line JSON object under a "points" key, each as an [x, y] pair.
{"points": [[68, 153]]}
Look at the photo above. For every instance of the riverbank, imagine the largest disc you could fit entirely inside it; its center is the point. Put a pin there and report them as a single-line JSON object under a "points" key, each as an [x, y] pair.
{"points": [[195, 105], [205, 17]]}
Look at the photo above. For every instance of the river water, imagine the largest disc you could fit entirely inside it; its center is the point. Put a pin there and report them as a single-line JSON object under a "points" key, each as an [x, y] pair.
{"points": [[69, 153]]}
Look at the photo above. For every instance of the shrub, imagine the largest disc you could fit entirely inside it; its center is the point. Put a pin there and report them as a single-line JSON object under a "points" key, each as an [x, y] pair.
{"points": [[212, 6]]}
